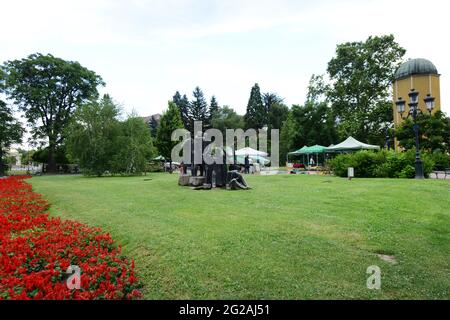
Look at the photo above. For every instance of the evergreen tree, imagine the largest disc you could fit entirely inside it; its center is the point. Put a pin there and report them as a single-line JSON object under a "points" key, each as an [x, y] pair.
{"points": [[183, 105], [198, 110], [170, 121], [153, 125], [213, 107], [256, 116]]}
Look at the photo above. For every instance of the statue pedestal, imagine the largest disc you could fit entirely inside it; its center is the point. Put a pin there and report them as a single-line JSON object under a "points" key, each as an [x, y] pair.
{"points": [[196, 181], [183, 180]]}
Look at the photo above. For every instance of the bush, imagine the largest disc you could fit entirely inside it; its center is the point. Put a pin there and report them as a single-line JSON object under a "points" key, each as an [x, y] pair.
{"points": [[441, 160], [383, 164]]}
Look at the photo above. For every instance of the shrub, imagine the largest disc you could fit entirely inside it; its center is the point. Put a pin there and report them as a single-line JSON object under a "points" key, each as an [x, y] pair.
{"points": [[441, 160], [383, 164]]}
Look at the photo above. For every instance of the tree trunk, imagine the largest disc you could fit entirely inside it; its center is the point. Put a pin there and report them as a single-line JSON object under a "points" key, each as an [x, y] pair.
{"points": [[51, 165]]}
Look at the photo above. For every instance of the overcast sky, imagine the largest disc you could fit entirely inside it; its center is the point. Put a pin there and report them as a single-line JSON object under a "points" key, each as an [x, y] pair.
{"points": [[145, 50]]}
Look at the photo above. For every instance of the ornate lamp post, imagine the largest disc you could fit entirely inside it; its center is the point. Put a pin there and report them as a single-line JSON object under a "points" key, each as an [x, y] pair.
{"points": [[413, 110]]}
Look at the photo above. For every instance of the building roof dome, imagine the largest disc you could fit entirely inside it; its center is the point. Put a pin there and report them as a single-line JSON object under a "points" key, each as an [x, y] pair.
{"points": [[415, 66]]}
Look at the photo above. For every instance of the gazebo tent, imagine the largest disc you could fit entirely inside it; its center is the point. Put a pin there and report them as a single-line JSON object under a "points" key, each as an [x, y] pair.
{"points": [[250, 152], [351, 144], [316, 149]]}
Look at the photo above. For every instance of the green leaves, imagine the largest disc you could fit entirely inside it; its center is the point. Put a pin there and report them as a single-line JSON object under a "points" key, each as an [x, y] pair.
{"points": [[434, 132], [48, 90], [170, 121], [361, 76]]}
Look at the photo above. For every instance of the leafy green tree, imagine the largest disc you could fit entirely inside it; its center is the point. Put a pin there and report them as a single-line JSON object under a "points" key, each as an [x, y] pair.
{"points": [[361, 77], [48, 90], [227, 118], [93, 136], [256, 116], [276, 111], [11, 132], [317, 89], [198, 109], [434, 132], [170, 121], [182, 103], [134, 147], [288, 137], [307, 125]]}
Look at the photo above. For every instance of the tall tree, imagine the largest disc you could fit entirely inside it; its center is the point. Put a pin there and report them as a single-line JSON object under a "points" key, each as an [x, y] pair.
{"points": [[256, 116], [213, 107], [134, 147], [182, 103], [153, 125], [307, 125], [317, 89], [11, 132], [198, 109], [170, 121], [93, 135], [276, 111], [270, 99], [361, 76], [48, 90]]}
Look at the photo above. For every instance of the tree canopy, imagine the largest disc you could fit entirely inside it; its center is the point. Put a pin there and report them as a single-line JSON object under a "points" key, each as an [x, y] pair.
{"points": [[434, 132], [361, 76], [170, 121], [48, 90]]}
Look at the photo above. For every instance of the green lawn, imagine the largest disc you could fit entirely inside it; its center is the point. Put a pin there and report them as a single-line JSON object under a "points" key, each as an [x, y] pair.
{"points": [[290, 237]]}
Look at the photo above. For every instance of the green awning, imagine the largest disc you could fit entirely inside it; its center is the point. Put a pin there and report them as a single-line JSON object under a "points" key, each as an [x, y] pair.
{"points": [[314, 149], [299, 151]]}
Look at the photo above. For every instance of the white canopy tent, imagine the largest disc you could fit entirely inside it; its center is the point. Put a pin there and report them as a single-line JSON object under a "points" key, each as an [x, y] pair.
{"points": [[351, 144], [250, 152]]}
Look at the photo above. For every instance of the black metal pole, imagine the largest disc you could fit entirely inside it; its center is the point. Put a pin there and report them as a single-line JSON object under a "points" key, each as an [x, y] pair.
{"points": [[418, 162]]}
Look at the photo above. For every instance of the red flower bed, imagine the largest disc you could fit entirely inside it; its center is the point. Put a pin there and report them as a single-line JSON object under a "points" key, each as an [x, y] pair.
{"points": [[36, 250]]}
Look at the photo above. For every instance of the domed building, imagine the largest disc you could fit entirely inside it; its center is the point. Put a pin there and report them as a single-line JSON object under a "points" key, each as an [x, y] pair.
{"points": [[420, 75]]}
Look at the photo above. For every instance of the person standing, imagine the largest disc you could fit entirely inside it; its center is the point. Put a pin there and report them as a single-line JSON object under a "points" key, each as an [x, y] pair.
{"points": [[247, 164]]}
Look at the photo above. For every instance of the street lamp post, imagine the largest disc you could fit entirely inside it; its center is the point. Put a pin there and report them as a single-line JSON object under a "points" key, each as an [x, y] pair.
{"points": [[413, 110]]}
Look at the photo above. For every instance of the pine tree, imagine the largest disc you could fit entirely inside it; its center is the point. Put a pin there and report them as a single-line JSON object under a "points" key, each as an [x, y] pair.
{"points": [[198, 109], [183, 105], [153, 125], [213, 108], [256, 116]]}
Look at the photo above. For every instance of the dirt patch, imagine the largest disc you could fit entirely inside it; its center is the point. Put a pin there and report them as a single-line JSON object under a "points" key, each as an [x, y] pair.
{"points": [[387, 258]]}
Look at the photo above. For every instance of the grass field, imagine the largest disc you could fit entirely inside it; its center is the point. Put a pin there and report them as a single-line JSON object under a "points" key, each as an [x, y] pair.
{"points": [[290, 237]]}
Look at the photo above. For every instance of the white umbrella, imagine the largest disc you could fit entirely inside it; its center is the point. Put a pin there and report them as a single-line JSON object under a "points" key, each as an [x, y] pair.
{"points": [[250, 152]]}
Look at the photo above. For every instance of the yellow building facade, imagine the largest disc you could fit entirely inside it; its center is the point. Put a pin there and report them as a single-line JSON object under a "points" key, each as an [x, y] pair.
{"points": [[420, 75]]}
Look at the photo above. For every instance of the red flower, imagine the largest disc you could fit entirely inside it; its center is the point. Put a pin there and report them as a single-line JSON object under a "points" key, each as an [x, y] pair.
{"points": [[36, 250]]}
